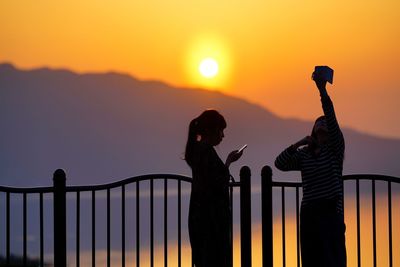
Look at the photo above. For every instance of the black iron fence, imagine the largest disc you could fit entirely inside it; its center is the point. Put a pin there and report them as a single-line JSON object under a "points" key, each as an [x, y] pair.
{"points": [[59, 192], [267, 186]]}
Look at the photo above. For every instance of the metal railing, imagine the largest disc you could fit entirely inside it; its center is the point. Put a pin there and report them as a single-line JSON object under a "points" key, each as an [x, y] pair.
{"points": [[267, 185], [24, 192], [59, 197], [60, 191]]}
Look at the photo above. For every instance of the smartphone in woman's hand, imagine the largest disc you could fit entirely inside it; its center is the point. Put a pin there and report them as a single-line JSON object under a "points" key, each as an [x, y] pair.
{"points": [[242, 148]]}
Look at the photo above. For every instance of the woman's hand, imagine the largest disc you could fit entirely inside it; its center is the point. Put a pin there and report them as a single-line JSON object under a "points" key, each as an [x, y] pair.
{"points": [[232, 157], [306, 141], [320, 82]]}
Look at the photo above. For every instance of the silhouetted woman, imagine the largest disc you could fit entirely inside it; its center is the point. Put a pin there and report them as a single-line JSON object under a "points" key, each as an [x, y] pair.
{"points": [[320, 157], [209, 212]]}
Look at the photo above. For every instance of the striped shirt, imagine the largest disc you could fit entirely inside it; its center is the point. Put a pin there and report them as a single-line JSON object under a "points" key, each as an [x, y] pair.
{"points": [[321, 174]]}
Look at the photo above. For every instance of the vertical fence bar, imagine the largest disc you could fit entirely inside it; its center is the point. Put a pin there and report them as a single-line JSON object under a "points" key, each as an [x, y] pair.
{"points": [[78, 227], [230, 221], [93, 228], [358, 223], [245, 216], [165, 222], [266, 215], [60, 218], [41, 229], [390, 223], [151, 223], [25, 234], [8, 252], [108, 229], [283, 229], [123, 225], [179, 225], [297, 228], [374, 222], [137, 224]]}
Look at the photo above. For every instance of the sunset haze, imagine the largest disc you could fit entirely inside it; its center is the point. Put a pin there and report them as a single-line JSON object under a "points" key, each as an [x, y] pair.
{"points": [[269, 48]]}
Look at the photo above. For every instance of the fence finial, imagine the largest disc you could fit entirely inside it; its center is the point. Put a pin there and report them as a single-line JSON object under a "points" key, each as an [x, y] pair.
{"points": [[59, 175], [245, 171], [266, 171]]}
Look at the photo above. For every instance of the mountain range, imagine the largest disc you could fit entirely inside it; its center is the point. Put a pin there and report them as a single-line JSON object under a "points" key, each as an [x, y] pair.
{"points": [[103, 127]]}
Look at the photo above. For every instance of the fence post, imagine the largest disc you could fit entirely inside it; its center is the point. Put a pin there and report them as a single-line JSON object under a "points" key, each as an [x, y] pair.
{"points": [[266, 216], [245, 216], [60, 219]]}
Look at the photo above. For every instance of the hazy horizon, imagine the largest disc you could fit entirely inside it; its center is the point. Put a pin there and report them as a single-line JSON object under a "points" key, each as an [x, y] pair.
{"points": [[115, 123], [296, 116], [266, 51]]}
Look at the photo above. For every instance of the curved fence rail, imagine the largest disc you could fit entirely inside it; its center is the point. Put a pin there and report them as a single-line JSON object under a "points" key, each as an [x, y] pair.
{"points": [[60, 193], [145, 190], [267, 185]]}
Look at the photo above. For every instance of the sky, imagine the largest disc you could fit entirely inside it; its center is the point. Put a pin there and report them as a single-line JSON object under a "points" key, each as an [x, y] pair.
{"points": [[265, 50]]}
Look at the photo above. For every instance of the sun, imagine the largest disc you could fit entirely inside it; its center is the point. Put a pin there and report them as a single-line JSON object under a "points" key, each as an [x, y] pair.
{"points": [[208, 62], [208, 68]]}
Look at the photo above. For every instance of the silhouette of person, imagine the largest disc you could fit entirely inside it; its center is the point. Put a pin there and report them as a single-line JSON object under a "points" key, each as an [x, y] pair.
{"points": [[209, 211], [320, 157]]}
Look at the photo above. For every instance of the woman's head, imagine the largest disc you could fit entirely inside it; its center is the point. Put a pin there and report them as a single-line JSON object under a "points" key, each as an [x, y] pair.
{"points": [[320, 128], [208, 127]]}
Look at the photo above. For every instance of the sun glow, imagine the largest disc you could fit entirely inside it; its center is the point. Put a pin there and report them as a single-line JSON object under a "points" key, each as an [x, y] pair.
{"points": [[208, 67], [208, 63]]}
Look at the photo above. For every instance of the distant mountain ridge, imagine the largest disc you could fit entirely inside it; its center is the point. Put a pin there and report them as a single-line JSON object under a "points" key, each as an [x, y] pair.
{"points": [[105, 127]]}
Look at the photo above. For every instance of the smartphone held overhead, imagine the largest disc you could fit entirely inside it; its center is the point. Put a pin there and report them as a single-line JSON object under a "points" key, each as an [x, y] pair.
{"points": [[323, 72]]}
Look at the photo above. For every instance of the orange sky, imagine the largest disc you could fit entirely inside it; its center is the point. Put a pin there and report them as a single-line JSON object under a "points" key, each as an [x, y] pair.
{"points": [[266, 49]]}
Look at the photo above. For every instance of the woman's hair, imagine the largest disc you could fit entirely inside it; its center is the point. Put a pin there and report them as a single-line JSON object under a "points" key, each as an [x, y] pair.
{"points": [[208, 121], [313, 133], [313, 146]]}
